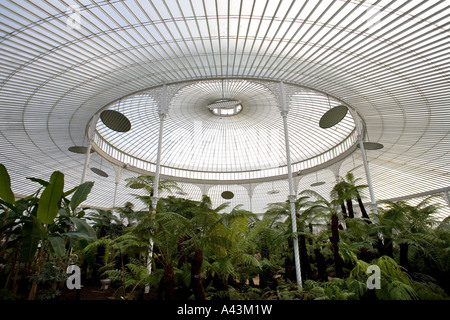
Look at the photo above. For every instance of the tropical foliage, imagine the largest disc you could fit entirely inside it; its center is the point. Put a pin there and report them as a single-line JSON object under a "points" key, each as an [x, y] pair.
{"points": [[39, 234], [191, 250]]}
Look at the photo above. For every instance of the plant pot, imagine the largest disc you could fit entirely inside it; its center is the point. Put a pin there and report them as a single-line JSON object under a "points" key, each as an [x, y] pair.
{"points": [[105, 284]]}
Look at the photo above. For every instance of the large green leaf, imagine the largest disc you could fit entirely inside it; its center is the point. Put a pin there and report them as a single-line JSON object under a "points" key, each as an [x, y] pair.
{"points": [[57, 244], [83, 230], [10, 206], [5, 186], [51, 196], [39, 227], [40, 181], [80, 194], [30, 242]]}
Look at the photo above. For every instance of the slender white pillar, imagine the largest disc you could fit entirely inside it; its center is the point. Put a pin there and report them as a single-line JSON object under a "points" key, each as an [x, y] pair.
{"points": [[118, 171], [292, 195], [89, 146], [86, 162], [368, 177], [163, 107], [365, 162], [250, 188], [155, 198], [335, 170], [162, 117]]}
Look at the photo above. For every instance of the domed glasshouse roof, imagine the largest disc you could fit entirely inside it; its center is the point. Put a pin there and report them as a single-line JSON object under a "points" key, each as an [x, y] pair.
{"points": [[168, 149], [219, 75]]}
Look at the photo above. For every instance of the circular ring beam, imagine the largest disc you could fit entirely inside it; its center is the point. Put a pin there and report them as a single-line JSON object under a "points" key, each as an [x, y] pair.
{"points": [[248, 145]]}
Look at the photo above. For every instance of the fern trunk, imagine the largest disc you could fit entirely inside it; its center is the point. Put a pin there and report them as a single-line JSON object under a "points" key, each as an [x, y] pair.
{"points": [[404, 255], [304, 259], [321, 265], [338, 263], [289, 266], [167, 284], [363, 210], [340, 196], [351, 214], [388, 247], [196, 282]]}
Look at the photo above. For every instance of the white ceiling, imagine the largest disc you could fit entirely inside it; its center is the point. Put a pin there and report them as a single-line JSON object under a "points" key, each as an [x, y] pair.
{"points": [[388, 60]]}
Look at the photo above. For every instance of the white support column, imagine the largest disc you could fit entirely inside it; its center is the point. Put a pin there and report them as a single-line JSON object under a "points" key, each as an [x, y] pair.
{"points": [[162, 116], [336, 167], [292, 195], [118, 171], [86, 162], [296, 181], [89, 146], [205, 188], [250, 188], [155, 197], [365, 162], [163, 108]]}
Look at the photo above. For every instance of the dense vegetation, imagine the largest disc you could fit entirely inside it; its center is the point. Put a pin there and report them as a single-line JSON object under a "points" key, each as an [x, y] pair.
{"points": [[190, 250]]}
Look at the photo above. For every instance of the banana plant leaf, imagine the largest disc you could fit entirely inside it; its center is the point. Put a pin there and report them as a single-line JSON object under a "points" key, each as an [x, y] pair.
{"points": [[57, 244], [31, 238], [82, 230], [80, 194], [5, 186], [51, 196]]}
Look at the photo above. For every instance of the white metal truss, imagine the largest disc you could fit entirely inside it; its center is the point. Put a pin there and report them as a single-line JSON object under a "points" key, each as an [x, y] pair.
{"points": [[63, 61]]}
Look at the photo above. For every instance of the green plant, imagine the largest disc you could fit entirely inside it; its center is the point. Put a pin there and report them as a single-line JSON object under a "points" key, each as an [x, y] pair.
{"points": [[39, 228], [147, 183], [330, 207], [395, 283], [131, 276]]}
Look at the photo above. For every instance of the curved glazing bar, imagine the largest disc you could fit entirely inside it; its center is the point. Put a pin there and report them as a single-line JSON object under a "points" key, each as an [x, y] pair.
{"points": [[132, 163], [247, 144]]}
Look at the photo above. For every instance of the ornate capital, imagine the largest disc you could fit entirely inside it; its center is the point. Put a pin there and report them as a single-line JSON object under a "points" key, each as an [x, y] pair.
{"points": [[284, 113]]}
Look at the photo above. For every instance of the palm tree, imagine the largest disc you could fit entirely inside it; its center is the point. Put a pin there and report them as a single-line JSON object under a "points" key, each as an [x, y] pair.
{"points": [[236, 253], [305, 219], [331, 208], [269, 237], [407, 225], [353, 191], [204, 236], [163, 231], [437, 255], [347, 190], [147, 183]]}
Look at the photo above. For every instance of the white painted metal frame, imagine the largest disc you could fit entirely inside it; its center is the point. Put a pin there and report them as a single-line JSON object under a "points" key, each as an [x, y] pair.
{"points": [[386, 59]]}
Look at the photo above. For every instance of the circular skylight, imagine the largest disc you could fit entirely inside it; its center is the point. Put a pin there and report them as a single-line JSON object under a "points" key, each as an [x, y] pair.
{"points": [[209, 135], [225, 107]]}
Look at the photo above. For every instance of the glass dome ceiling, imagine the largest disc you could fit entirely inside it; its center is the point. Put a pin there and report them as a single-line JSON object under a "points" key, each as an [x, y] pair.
{"points": [[63, 61], [250, 145]]}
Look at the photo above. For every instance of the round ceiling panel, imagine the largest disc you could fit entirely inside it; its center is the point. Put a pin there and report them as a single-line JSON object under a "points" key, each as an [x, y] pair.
{"points": [[333, 116], [228, 195], [115, 120]]}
